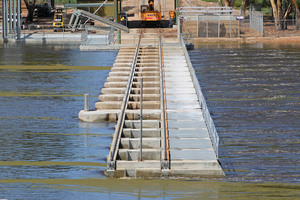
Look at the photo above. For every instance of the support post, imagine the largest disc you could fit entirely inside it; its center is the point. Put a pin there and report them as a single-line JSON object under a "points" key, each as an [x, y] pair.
{"points": [[119, 37], [14, 16], [4, 19], [197, 25], [178, 28], [10, 16], [176, 6], [18, 19], [75, 23], [141, 121], [206, 27], [219, 26], [86, 102]]}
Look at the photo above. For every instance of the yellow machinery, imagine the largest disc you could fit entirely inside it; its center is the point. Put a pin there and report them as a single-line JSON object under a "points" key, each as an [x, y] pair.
{"points": [[172, 19], [149, 15], [59, 19]]}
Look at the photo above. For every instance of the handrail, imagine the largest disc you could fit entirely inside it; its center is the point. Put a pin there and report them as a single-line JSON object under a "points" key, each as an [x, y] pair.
{"points": [[206, 114], [84, 36], [207, 10], [125, 101], [163, 99]]}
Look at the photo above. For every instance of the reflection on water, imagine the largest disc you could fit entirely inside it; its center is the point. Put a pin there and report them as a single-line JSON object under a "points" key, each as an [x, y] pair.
{"points": [[46, 153]]}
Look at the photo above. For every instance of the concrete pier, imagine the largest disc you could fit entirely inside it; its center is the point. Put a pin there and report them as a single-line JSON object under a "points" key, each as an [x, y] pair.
{"points": [[172, 135]]}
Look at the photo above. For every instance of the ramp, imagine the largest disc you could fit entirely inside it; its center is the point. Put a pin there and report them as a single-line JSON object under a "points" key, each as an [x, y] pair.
{"points": [[78, 13]]}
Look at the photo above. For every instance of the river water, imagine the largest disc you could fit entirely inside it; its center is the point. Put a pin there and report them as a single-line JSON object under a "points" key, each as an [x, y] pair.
{"points": [[252, 92]]}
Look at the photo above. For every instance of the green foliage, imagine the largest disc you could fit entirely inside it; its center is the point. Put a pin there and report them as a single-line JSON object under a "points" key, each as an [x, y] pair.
{"points": [[210, 0], [65, 1], [265, 4]]}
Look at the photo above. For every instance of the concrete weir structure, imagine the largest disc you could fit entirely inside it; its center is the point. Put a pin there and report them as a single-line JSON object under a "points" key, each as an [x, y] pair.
{"points": [[164, 128]]}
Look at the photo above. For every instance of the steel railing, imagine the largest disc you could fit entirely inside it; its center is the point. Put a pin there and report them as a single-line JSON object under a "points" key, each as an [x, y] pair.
{"points": [[185, 11], [166, 155], [113, 151], [84, 36], [206, 114]]}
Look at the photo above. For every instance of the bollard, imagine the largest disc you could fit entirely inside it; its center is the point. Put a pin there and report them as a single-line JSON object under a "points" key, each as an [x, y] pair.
{"points": [[86, 102], [141, 120]]}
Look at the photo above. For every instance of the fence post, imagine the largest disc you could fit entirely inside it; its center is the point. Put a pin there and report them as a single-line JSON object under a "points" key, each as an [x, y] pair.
{"points": [[230, 25], [197, 25], [219, 26], [206, 26]]}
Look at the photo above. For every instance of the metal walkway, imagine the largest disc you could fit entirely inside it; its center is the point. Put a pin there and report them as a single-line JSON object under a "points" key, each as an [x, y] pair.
{"points": [[164, 127], [75, 18]]}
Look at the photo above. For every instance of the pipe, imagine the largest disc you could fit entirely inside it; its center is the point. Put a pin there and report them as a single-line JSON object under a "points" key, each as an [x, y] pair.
{"points": [[18, 19]]}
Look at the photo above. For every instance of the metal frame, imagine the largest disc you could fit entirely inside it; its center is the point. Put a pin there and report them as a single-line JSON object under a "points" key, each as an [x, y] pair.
{"points": [[11, 17]]}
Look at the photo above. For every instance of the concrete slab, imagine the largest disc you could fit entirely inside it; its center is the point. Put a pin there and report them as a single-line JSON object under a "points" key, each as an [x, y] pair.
{"points": [[194, 154], [190, 143], [194, 115], [188, 133], [186, 124], [183, 105]]}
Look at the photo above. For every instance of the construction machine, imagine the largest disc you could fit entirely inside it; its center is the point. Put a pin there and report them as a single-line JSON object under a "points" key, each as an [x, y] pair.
{"points": [[59, 19], [149, 15], [172, 19]]}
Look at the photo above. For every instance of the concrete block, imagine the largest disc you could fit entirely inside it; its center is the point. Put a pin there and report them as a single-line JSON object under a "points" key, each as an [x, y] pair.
{"points": [[118, 79], [123, 164], [113, 90], [99, 115], [115, 84], [192, 154], [146, 97], [147, 132], [145, 90], [176, 124], [188, 133], [131, 154], [134, 143], [148, 114], [111, 97], [190, 143], [146, 124], [111, 105], [121, 69], [119, 74], [146, 105]]}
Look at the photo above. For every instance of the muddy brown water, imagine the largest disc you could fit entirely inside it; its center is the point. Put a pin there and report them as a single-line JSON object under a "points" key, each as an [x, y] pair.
{"points": [[252, 92]]}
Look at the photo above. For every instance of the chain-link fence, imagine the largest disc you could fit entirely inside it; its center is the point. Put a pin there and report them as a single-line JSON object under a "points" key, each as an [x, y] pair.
{"points": [[210, 22], [256, 20]]}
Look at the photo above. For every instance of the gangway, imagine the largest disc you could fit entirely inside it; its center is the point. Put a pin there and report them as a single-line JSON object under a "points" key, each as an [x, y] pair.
{"points": [[74, 21]]}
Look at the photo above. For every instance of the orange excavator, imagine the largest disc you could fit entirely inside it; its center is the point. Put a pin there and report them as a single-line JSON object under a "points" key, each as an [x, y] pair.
{"points": [[149, 15]]}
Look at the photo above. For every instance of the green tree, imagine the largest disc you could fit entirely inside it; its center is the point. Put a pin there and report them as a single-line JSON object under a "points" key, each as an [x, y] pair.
{"points": [[281, 10]]}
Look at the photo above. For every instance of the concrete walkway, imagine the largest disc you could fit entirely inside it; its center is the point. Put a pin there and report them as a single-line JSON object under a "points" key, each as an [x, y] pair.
{"points": [[191, 149]]}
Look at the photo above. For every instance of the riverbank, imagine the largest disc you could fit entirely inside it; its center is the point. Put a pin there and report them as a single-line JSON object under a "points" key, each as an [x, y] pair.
{"points": [[250, 40], [75, 38]]}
